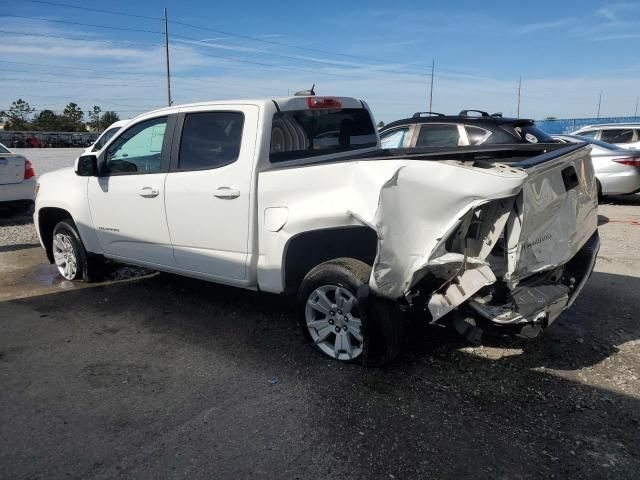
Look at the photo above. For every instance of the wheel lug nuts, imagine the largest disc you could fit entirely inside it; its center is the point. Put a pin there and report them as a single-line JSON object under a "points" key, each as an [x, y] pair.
{"points": [[337, 329], [345, 328], [331, 322], [332, 313], [339, 312]]}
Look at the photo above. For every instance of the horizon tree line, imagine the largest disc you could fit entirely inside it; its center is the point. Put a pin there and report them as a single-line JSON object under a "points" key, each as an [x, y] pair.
{"points": [[20, 117]]}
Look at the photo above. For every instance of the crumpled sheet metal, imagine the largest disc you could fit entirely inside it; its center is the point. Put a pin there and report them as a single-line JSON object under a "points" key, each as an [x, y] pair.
{"points": [[417, 206]]}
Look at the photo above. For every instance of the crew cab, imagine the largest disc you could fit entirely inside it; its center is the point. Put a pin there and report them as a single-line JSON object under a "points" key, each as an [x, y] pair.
{"points": [[294, 195]]}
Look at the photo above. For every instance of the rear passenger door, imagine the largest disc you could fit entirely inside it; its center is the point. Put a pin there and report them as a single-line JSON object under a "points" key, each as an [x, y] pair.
{"points": [[209, 190]]}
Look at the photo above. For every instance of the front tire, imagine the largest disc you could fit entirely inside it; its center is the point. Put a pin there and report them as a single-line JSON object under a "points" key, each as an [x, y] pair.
{"points": [[338, 320], [69, 254]]}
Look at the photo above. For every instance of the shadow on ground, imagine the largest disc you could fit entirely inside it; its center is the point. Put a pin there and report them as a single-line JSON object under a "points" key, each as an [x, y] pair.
{"points": [[172, 377]]}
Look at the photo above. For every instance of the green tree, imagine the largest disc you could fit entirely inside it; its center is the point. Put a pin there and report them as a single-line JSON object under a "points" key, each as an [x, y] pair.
{"points": [[18, 115], [380, 124], [107, 119], [46, 121], [94, 118], [71, 120]]}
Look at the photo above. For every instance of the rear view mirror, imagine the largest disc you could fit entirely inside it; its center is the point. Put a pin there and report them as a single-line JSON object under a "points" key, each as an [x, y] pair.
{"points": [[87, 166]]}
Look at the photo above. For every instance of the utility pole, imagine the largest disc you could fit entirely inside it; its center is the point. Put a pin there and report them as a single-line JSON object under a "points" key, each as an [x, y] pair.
{"points": [[519, 89], [599, 103], [433, 67], [637, 99], [166, 49]]}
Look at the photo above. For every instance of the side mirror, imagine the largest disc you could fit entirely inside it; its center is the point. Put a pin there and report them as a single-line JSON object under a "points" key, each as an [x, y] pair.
{"points": [[87, 166]]}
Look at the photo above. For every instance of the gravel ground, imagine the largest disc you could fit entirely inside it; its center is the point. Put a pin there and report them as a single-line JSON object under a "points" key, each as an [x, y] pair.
{"points": [[168, 377]]}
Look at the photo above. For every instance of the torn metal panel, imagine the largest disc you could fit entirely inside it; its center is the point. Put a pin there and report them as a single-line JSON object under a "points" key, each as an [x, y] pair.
{"points": [[554, 218], [419, 204]]}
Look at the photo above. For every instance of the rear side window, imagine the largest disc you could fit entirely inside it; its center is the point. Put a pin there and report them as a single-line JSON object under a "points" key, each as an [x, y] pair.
{"points": [[438, 136], [310, 133], [617, 136], [210, 140], [532, 134]]}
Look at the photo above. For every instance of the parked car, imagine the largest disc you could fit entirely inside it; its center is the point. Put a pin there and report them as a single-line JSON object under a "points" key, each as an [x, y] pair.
{"points": [[617, 169], [102, 140], [240, 193], [17, 180], [626, 135], [469, 127]]}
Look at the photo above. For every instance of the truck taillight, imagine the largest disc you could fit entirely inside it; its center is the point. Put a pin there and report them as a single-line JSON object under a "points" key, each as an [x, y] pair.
{"points": [[631, 161], [323, 102], [29, 171]]}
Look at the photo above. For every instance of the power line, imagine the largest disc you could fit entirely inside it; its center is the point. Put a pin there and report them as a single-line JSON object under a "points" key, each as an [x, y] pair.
{"points": [[110, 12], [75, 83], [67, 22], [96, 40]]}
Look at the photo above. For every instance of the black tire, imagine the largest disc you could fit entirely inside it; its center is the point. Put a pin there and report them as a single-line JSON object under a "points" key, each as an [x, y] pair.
{"points": [[382, 323], [88, 268]]}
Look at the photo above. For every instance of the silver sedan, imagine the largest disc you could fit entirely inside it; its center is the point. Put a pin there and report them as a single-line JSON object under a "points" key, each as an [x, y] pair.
{"points": [[617, 169]]}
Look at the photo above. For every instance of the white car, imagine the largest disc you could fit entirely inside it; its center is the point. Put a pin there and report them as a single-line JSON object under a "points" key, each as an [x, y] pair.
{"points": [[626, 135], [17, 180], [242, 193], [617, 169], [104, 138]]}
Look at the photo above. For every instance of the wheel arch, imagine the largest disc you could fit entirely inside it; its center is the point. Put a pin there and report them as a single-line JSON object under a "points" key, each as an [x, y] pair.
{"points": [[48, 218], [306, 250]]}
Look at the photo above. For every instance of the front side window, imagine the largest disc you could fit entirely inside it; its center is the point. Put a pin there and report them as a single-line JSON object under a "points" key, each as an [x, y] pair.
{"points": [[309, 133], [104, 138], [439, 136], [138, 149], [394, 138], [617, 135], [210, 139], [588, 133]]}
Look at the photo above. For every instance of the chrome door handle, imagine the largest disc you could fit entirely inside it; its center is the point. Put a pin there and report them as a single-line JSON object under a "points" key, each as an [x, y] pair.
{"points": [[227, 193], [149, 192]]}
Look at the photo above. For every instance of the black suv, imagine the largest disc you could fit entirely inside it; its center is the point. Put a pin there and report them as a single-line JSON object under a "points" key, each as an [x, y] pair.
{"points": [[469, 127]]}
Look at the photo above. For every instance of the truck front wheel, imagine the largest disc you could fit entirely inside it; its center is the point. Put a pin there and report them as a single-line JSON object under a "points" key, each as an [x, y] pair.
{"points": [[341, 325], [70, 256]]}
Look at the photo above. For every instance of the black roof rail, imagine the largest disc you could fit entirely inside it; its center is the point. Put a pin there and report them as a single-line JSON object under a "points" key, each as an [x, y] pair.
{"points": [[419, 114], [465, 113]]}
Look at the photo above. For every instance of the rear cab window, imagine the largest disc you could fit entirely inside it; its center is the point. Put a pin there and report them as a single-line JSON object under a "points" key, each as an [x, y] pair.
{"points": [[312, 132]]}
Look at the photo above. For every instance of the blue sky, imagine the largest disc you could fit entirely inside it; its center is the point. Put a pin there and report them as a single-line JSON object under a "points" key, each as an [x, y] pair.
{"points": [[566, 53]]}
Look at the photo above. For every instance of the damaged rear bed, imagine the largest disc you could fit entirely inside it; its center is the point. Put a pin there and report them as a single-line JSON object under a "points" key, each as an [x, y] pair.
{"points": [[505, 236]]}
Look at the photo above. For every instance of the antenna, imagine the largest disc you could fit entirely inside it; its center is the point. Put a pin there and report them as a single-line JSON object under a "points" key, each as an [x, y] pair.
{"points": [[433, 67], [519, 90], [599, 103]]}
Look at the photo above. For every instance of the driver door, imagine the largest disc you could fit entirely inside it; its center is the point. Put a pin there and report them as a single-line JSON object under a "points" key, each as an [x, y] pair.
{"points": [[127, 199]]}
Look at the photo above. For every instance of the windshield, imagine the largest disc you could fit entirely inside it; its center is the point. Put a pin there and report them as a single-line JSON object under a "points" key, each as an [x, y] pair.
{"points": [[310, 133], [104, 138]]}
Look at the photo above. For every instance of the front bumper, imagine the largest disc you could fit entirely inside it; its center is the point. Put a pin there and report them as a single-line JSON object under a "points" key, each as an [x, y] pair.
{"points": [[537, 302]]}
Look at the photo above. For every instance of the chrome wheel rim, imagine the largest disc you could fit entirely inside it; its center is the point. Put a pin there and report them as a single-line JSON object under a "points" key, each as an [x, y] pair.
{"points": [[64, 256], [334, 322]]}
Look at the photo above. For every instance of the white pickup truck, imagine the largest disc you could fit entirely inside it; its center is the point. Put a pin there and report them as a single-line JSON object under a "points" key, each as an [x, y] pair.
{"points": [[294, 195]]}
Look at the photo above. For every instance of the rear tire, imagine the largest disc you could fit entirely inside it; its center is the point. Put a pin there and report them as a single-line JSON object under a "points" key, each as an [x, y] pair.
{"points": [[341, 321], [70, 256]]}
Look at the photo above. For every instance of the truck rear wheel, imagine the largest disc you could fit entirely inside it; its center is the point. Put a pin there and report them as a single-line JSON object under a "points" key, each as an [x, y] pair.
{"points": [[339, 323]]}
